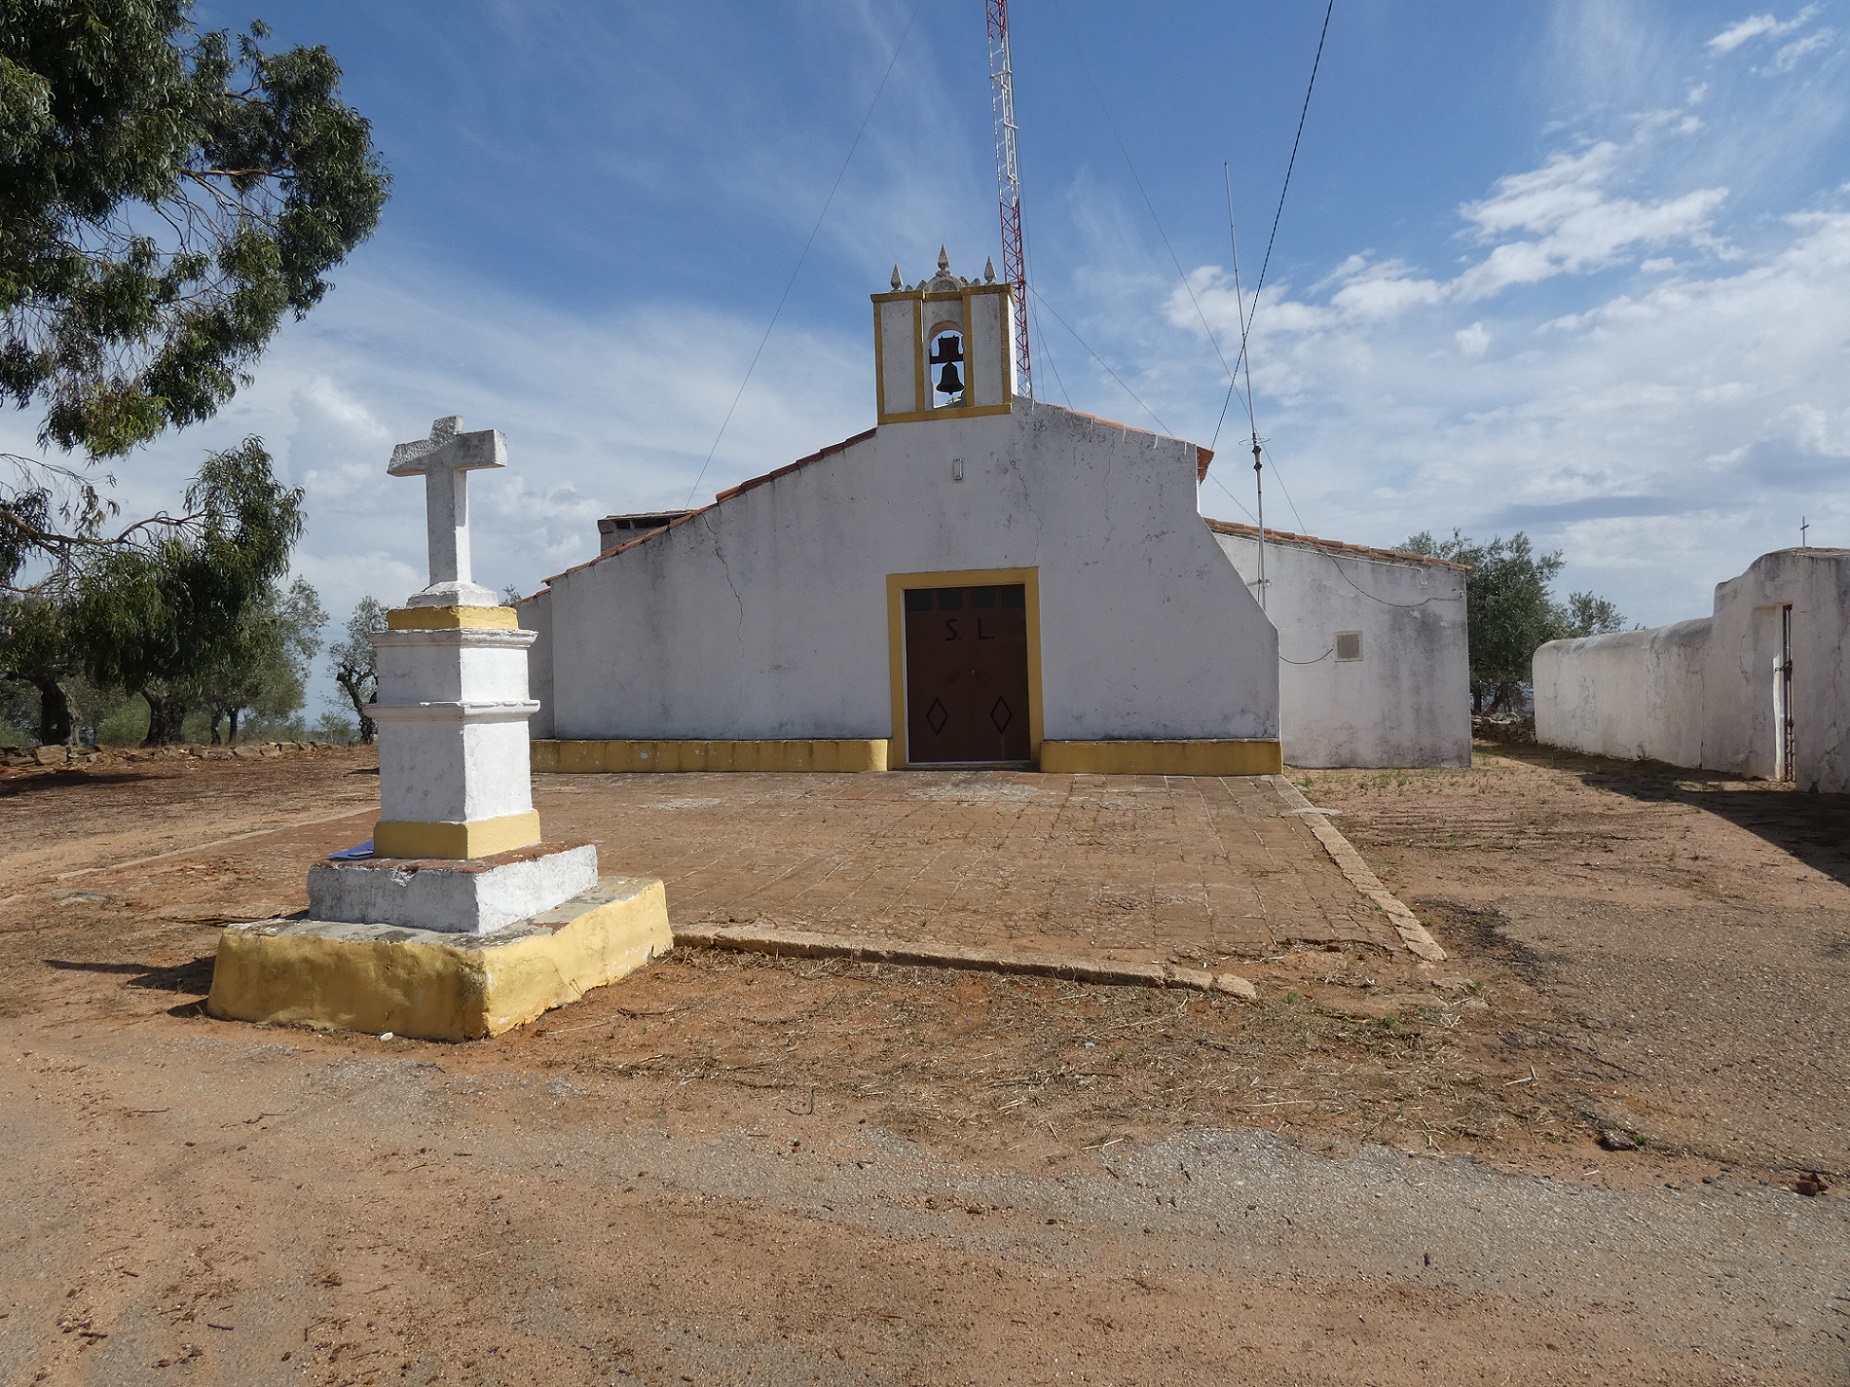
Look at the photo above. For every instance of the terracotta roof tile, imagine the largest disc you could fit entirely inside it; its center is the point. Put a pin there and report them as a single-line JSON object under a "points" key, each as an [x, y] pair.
{"points": [[719, 500], [1333, 546], [790, 467]]}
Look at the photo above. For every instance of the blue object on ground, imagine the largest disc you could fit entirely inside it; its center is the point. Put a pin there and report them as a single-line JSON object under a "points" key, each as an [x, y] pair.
{"points": [[353, 854]]}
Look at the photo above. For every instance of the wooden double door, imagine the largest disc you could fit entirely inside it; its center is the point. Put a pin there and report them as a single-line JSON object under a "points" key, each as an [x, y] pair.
{"points": [[967, 674]]}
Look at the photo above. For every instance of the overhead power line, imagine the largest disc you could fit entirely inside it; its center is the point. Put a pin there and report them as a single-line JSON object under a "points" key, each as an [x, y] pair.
{"points": [[1279, 211], [790, 284]]}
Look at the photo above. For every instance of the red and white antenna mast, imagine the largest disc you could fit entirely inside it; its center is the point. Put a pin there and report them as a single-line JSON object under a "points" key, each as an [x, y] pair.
{"points": [[1008, 183]]}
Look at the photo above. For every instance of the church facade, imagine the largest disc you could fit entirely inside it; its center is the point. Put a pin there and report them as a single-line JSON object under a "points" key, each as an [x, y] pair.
{"points": [[980, 579]]}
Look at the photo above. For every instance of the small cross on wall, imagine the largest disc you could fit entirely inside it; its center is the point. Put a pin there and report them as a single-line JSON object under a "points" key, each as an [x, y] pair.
{"points": [[445, 459]]}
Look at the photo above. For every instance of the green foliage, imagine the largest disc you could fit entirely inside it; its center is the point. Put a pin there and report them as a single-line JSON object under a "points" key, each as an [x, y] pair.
{"points": [[37, 650], [19, 712], [25, 513], [261, 666], [159, 618], [1511, 609], [121, 719], [353, 660], [1587, 615], [332, 727], [169, 196]]}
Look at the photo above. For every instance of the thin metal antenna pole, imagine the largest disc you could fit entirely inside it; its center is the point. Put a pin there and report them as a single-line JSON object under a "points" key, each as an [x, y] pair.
{"points": [[1259, 487], [1246, 364]]}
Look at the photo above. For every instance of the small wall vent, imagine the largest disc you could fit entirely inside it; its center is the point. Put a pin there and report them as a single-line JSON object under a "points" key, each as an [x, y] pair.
{"points": [[1348, 645]]}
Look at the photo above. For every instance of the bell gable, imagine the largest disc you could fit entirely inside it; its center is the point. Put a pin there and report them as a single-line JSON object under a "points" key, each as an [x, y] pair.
{"points": [[942, 347]]}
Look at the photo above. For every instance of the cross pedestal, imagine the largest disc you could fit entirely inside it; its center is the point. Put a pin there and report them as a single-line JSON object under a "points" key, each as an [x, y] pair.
{"points": [[452, 709], [462, 922]]}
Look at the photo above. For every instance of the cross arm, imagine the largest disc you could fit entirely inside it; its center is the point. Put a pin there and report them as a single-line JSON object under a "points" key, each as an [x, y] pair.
{"points": [[459, 452]]}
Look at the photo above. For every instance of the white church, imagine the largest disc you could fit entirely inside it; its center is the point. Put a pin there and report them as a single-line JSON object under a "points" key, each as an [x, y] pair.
{"points": [[984, 579]]}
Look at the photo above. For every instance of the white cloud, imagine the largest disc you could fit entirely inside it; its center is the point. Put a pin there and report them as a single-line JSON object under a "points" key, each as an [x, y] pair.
{"points": [[1384, 291], [1473, 340], [1737, 34], [1593, 238], [1788, 56], [1559, 219], [1759, 26], [1544, 198], [1577, 225]]}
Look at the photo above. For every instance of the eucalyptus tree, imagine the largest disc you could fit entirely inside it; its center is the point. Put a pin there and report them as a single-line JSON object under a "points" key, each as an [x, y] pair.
{"points": [[169, 196], [163, 617]]}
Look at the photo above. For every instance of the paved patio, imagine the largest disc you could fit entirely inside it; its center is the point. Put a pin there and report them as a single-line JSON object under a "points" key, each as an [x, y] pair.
{"points": [[1136, 868]]}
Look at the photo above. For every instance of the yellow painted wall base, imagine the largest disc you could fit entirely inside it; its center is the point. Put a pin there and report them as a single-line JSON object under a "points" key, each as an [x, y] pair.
{"points": [[838, 754], [476, 838], [432, 986], [1195, 756], [451, 619]]}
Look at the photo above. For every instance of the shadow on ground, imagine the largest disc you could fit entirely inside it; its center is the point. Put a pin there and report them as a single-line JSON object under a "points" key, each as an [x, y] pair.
{"points": [[66, 782], [193, 978], [1812, 828]]}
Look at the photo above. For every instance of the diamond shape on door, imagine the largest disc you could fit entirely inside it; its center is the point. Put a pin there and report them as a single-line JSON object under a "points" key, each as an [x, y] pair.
{"points": [[936, 716], [1002, 715]]}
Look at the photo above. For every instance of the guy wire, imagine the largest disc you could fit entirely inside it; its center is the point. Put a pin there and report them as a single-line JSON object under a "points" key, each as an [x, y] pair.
{"points": [[827, 202]]}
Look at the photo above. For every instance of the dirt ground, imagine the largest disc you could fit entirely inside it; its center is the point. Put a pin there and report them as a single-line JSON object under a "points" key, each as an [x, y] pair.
{"points": [[734, 1169]]}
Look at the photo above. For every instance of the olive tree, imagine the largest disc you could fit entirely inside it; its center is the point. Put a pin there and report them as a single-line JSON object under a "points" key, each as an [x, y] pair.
{"points": [[1511, 610]]}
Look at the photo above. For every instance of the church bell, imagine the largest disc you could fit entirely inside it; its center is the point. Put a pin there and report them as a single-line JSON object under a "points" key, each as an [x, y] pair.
{"points": [[947, 351]]}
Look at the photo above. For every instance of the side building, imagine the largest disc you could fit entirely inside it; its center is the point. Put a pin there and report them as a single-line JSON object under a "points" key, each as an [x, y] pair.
{"points": [[1759, 688], [1374, 658]]}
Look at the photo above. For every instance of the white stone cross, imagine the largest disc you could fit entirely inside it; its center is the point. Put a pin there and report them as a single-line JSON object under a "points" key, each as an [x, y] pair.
{"points": [[445, 459]]}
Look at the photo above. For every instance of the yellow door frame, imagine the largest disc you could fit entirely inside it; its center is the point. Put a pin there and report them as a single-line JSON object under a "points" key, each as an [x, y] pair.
{"points": [[896, 585]]}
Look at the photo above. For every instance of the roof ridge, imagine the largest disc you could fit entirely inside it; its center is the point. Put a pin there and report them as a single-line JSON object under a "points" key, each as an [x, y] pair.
{"points": [[718, 500], [1366, 551]]}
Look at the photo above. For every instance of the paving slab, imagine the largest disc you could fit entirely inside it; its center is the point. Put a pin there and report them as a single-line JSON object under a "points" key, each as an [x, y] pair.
{"points": [[1174, 869]]}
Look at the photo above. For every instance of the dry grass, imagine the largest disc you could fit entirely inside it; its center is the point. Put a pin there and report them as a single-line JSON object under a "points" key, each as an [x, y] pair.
{"points": [[1361, 1050]]}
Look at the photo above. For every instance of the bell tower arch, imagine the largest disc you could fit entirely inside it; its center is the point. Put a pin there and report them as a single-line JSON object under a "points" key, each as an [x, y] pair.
{"points": [[943, 347]]}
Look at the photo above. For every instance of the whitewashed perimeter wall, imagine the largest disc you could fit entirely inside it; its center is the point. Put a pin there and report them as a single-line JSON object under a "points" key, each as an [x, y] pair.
{"points": [[766, 616], [1407, 701], [1700, 693], [1634, 695]]}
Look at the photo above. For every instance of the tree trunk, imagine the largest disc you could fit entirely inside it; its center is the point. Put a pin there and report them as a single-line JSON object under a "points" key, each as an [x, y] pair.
{"points": [[165, 714], [351, 688], [231, 716], [55, 727], [216, 715]]}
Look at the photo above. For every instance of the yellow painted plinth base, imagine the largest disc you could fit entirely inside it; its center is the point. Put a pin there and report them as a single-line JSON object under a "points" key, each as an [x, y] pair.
{"points": [[475, 838], [834, 754], [435, 986], [1195, 756]]}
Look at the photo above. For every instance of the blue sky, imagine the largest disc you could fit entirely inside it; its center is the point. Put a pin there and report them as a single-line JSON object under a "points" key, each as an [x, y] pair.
{"points": [[1580, 268]]}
